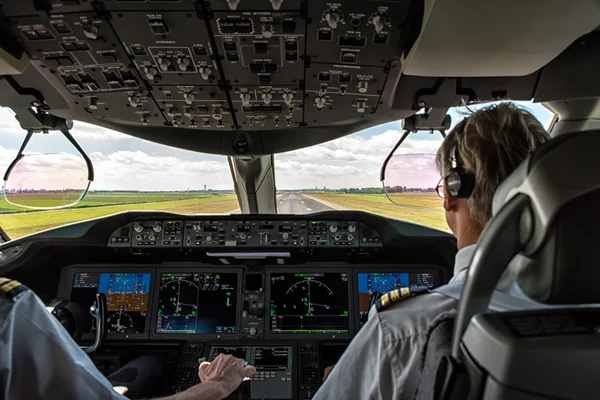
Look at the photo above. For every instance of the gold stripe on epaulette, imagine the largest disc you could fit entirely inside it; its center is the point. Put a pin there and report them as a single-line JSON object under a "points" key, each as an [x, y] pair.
{"points": [[4, 280], [395, 295], [9, 286], [385, 300], [405, 291]]}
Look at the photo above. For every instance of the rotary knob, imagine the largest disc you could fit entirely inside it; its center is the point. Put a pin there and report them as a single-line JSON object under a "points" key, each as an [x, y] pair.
{"points": [[243, 236], [319, 102], [267, 30], [172, 111], [380, 21], [138, 227], [245, 97], [189, 97], [266, 238], [252, 331], [151, 237], [333, 17], [93, 103], [183, 63], [285, 236], [90, 31], [333, 228], [361, 107], [205, 72], [150, 72], [287, 98], [209, 239], [157, 227], [164, 63], [351, 228], [267, 97]]}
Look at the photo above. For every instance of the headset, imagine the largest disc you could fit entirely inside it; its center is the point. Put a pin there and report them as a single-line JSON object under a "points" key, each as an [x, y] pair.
{"points": [[460, 183]]}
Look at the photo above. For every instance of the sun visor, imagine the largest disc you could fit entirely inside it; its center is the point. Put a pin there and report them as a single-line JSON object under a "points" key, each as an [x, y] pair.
{"points": [[474, 38]]}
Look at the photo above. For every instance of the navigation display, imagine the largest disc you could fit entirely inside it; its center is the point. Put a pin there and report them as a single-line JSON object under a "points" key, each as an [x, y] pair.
{"points": [[383, 282], [309, 303], [126, 299], [201, 303]]}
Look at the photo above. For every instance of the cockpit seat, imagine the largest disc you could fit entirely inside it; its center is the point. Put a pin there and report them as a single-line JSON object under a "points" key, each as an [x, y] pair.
{"points": [[548, 210]]}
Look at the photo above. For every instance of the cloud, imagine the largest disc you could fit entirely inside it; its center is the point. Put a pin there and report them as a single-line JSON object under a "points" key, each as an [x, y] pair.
{"points": [[353, 161]]}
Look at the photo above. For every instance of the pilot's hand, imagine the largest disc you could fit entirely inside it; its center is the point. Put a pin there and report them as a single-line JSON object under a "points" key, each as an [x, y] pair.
{"points": [[327, 372], [227, 371]]}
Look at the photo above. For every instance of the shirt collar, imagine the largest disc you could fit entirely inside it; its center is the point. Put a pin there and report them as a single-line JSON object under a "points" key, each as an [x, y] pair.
{"points": [[462, 261]]}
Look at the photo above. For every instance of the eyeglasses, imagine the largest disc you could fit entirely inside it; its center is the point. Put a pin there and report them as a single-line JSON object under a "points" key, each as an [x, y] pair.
{"points": [[439, 189]]}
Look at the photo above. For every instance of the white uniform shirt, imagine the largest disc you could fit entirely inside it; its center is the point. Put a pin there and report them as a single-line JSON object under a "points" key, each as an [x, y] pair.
{"points": [[385, 358], [38, 358]]}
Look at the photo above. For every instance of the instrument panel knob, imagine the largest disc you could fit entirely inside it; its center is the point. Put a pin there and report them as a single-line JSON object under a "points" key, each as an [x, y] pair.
{"points": [[380, 21], [183, 63], [351, 228], [189, 97], [266, 238], [276, 4], [151, 237], [287, 98], [164, 63], [361, 107], [333, 228], [320, 102], [138, 227], [150, 72], [172, 111], [252, 331], [267, 30], [333, 17], [157, 227], [363, 86], [233, 4], [267, 97], [90, 31], [245, 97], [93, 103], [134, 100], [209, 239], [205, 72]]}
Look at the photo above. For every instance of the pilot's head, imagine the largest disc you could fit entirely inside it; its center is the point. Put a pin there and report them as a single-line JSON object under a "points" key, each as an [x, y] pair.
{"points": [[476, 156]]}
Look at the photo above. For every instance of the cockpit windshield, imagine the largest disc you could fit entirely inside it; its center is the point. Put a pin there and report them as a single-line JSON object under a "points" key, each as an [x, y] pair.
{"points": [[134, 174]]}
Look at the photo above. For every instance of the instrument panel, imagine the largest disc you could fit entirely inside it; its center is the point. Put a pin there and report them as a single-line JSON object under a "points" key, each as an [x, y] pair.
{"points": [[233, 302], [244, 233], [215, 65]]}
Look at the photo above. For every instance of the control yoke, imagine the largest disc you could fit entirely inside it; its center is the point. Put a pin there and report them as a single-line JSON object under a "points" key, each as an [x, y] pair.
{"points": [[98, 311]]}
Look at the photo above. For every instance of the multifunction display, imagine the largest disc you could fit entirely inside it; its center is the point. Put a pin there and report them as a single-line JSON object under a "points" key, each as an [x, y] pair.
{"points": [[370, 283], [313, 302], [126, 299], [201, 303]]}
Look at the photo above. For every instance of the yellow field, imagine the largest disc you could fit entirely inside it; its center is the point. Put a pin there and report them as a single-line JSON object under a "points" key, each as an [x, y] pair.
{"points": [[21, 224], [379, 204]]}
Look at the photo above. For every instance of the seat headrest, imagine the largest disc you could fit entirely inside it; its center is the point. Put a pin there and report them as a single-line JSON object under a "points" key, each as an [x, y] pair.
{"points": [[561, 228]]}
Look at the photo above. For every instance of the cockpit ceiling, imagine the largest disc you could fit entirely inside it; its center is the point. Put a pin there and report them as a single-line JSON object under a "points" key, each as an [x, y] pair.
{"points": [[257, 80]]}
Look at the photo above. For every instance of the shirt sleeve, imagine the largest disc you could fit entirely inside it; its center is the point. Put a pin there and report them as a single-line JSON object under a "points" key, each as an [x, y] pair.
{"points": [[39, 360], [378, 364]]}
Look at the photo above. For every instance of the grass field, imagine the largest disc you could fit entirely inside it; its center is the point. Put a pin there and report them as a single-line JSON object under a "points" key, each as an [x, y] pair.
{"points": [[379, 204], [17, 223]]}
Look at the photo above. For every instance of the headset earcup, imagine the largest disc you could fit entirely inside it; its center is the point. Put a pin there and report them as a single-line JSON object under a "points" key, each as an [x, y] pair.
{"points": [[467, 185], [454, 182]]}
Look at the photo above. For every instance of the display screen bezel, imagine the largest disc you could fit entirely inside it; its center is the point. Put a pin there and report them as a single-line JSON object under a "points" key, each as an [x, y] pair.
{"points": [[439, 273], [140, 269], [238, 302], [316, 335]]}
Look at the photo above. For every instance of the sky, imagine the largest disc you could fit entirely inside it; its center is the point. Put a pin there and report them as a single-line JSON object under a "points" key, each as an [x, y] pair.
{"points": [[122, 162]]}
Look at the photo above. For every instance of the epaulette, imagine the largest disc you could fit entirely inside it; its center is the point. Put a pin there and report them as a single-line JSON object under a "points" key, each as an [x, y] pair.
{"points": [[386, 300], [11, 289]]}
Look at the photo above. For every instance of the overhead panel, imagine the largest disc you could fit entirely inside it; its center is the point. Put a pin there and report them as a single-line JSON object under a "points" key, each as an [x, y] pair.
{"points": [[216, 65]]}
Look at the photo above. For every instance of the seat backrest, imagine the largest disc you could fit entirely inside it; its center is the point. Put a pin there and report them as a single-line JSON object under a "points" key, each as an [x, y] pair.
{"points": [[549, 211]]}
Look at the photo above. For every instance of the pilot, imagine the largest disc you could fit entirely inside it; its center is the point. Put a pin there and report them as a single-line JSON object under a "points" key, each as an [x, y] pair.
{"points": [[385, 359], [40, 360]]}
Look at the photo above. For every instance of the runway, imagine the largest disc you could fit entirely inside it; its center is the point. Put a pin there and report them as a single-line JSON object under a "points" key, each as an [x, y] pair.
{"points": [[296, 203]]}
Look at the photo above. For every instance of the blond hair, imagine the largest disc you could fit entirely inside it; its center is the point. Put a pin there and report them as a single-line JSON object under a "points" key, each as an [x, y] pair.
{"points": [[491, 143]]}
